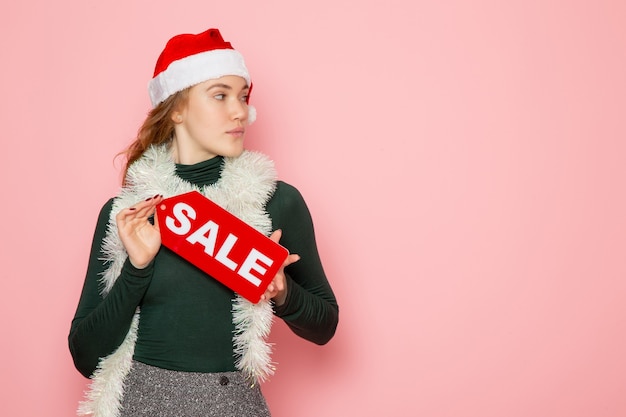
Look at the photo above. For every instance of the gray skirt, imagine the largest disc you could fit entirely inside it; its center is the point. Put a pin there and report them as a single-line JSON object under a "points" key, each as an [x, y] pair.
{"points": [[156, 392]]}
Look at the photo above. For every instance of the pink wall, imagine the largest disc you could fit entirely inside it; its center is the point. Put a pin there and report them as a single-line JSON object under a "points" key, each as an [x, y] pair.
{"points": [[463, 160]]}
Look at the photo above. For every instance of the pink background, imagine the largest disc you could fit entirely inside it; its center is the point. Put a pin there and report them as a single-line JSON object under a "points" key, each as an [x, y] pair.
{"points": [[463, 161]]}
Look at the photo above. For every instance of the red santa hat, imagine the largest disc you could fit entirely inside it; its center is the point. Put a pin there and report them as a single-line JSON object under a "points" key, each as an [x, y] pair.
{"points": [[189, 59]]}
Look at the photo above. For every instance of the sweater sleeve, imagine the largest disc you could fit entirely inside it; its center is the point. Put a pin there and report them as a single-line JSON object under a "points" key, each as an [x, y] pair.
{"points": [[311, 309], [100, 323]]}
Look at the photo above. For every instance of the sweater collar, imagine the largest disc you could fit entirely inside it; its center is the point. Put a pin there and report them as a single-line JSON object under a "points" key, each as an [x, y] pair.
{"points": [[203, 173]]}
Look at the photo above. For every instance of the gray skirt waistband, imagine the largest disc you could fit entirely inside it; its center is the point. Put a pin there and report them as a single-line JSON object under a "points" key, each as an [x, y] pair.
{"points": [[157, 392]]}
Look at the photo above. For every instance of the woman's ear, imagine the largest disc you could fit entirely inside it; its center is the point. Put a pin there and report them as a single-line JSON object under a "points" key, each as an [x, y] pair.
{"points": [[177, 117]]}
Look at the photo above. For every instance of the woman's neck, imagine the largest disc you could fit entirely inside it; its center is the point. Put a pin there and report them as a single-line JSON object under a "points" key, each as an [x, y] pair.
{"points": [[186, 155]]}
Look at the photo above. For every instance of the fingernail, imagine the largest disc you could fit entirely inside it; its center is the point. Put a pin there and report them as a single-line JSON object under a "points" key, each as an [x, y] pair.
{"points": [[149, 198], [132, 208]]}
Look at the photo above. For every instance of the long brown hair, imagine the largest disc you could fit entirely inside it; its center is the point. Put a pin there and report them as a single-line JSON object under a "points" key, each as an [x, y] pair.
{"points": [[158, 128]]}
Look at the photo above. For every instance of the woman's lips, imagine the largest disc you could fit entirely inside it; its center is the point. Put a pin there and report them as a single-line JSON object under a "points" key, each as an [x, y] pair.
{"points": [[237, 132]]}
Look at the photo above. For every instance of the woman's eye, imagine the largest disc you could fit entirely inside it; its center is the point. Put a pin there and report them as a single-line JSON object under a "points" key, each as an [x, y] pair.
{"points": [[244, 99], [219, 96]]}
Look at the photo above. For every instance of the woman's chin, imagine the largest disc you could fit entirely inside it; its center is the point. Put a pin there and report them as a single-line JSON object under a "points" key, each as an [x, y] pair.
{"points": [[233, 152]]}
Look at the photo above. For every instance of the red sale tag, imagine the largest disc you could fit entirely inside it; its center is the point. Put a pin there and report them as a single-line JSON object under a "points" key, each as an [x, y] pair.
{"points": [[220, 244]]}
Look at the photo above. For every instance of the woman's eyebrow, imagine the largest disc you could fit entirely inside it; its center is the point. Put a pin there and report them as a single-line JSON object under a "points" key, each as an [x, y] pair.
{"points": [[226, 86]]}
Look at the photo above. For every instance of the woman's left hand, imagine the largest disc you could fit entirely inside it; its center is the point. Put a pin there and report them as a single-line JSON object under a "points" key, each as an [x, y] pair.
{"points": [[277, 290]]}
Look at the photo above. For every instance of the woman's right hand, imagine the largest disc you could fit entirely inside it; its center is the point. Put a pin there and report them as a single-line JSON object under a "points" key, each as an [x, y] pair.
{"points": [[141, 239]]}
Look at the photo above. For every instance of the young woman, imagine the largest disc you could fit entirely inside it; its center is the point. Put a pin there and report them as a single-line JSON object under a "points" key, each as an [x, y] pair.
{"points": [[158, 336]]}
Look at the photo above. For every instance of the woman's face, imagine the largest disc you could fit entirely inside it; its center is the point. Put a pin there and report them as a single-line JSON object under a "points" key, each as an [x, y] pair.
{"points": [[213, 121]]}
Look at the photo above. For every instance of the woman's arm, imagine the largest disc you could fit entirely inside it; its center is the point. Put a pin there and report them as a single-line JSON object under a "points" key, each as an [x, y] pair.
{"points": [[101, 323], [310, 308]]}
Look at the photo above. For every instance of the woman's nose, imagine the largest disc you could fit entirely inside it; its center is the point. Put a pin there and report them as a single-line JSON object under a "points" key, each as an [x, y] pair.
{"points": [[239, 110]]}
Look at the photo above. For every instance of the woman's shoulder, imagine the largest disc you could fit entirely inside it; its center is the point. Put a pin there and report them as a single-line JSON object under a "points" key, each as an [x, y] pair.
{"points": [[287, 204], [107, 207], [286, 194], [105, 211]]}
